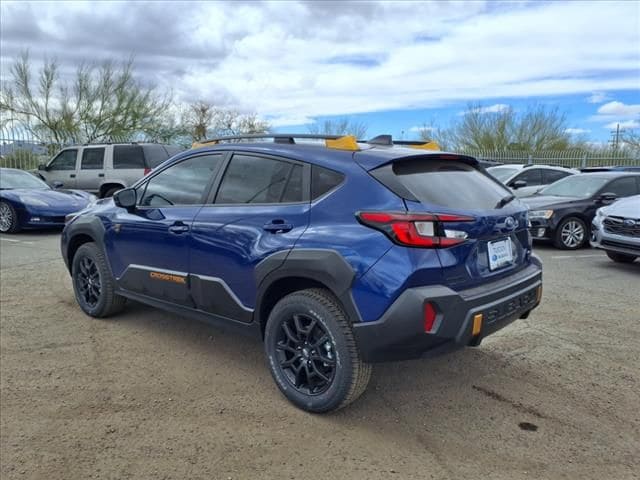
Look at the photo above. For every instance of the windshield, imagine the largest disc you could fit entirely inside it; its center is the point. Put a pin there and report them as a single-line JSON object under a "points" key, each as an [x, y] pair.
{"points": [[579, 186], [502, 173], [19, 179]]}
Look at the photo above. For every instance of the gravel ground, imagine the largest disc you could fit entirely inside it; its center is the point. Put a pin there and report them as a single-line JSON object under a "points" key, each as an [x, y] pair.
{"points": [[149, 395]]}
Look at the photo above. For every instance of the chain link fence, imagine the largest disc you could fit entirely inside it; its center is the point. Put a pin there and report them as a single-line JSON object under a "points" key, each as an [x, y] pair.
{"points": [[20, 149]]}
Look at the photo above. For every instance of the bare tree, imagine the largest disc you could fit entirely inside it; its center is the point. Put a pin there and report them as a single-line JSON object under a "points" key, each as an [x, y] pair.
{"points": [[631, 140], [536, 128], [232, 122], [342, 126], [102, 102]]}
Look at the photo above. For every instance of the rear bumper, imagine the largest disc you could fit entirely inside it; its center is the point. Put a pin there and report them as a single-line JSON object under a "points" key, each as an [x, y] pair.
{"points": [[400, 335]]}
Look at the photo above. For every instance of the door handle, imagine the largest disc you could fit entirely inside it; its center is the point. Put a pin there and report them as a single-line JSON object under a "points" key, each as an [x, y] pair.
{"points": [[178, 228], [73, 175], [277, 226], [101, 174]]}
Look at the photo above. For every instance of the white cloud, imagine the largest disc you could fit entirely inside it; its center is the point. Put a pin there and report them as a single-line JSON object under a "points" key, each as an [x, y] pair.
{"points": [[294, 61], [421, 128], [598, 97], [626, 124], [619, 109], [496, 108], [577, 131]]}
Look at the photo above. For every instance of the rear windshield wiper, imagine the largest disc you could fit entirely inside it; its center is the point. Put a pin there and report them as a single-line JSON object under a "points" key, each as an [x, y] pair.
{"points": [[503, 201]]}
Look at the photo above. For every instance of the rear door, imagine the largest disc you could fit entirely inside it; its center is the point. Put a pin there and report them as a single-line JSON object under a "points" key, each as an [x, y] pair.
{"points": [[63, 168], [91, 173], [497, 241], [260, 207]]}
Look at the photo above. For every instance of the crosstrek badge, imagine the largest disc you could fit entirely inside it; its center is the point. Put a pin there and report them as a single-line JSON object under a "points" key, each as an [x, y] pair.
{"points": [[167, 277]]}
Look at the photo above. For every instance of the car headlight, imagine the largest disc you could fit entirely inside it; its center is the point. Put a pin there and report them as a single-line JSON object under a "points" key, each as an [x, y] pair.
{"points": [[546, 214], [29, 200]]}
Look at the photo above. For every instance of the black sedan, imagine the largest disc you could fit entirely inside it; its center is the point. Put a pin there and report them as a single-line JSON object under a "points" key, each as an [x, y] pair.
{"points": [[562, 212]]}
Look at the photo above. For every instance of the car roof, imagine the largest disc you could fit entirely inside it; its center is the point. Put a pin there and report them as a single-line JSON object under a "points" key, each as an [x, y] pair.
{"points": [[368, 156]]}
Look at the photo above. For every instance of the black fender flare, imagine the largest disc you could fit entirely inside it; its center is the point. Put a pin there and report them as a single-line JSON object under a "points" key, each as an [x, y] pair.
{"points": [[88, 225], [321, 265]]}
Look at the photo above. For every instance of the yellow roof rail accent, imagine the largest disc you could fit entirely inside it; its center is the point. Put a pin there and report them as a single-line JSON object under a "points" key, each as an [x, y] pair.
{"points": [[204, 144], [348, 142], [427, 146]]}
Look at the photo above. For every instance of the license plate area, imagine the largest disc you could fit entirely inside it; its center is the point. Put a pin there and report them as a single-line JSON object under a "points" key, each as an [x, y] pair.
{"points": [[500, 253]]}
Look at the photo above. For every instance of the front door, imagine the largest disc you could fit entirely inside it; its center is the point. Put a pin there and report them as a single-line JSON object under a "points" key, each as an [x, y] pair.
{"points": [[148, 248], [63, 169], [261, 207]]}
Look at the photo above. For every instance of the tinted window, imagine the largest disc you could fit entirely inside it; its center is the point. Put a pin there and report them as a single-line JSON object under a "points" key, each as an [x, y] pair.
{"points": [[323, 180], [550, 176], [92, 159], [622, 187], [533, 176], [251, 179], [449, 183], [66, 160], [502, 173], [128, 156], [580, 186], [173, 149], [154, 155], [181, 184]]}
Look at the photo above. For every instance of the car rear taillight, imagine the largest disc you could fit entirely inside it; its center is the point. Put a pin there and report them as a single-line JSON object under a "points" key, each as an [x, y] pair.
{"points": [[426, 230], [147, 170]]}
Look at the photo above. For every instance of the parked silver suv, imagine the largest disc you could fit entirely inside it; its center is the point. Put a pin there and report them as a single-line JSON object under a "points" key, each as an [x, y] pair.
{"points": [[616, 229], [525, 180], [104, 169]]}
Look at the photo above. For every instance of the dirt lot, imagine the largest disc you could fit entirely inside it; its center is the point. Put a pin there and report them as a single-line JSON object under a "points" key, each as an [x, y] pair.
{"points": [[149, 395]]}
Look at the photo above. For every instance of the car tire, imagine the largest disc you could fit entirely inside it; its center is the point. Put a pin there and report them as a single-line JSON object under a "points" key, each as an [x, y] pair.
{"points": [[8, 218], [93, 284], [571, 234], [308, 332], [621, 257], [110, 191]]}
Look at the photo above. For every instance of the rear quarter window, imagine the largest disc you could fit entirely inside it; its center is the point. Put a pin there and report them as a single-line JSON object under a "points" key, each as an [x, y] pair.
{"points": [[128, 157], [323, 180], [449, 183], [154, 155]]}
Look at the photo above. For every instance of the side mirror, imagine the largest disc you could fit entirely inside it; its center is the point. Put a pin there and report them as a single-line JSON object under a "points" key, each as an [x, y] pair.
{"points": [[607, 198], [518, 184], [42, 167], [57, 184], [125, 198]]}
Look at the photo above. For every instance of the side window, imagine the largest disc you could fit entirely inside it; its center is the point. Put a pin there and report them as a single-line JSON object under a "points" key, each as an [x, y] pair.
{"points": [[622, 187], [128, 156], [550, 176], [181, 184], [154, 155], [532, 176], [92, 159], [323, 180], [66, 160], [250, 179]]}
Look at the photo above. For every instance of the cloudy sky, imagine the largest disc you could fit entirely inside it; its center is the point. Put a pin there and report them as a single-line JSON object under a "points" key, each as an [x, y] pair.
{"points": [[394, 66]]}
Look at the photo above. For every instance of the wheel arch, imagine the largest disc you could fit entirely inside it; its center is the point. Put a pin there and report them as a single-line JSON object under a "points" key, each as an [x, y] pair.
{"points": [[287, 272], [109, 185]]}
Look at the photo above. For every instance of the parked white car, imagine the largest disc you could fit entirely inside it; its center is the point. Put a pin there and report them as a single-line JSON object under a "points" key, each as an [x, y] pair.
{"points": [[525, 180], [103, 169], [616, 229]]}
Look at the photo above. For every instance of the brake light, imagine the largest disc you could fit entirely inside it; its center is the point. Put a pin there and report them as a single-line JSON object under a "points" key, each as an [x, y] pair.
{"points": [[147, 170], [416, 229]]}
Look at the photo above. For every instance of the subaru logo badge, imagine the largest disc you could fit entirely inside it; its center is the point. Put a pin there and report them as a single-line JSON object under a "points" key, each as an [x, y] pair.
{"points": [[629, 222], [510, 223]]}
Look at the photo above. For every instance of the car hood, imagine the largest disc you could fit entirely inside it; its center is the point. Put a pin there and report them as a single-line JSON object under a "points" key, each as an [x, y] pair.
{"points": [[625, 207], [53, 198], [542, 201]]}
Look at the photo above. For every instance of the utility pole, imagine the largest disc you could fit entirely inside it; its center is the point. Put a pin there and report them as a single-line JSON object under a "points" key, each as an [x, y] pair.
{"points": [[615, 137]]}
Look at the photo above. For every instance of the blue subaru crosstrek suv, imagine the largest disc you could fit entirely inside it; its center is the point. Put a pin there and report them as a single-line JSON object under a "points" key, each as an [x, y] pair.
{"points": [[337, 254]]}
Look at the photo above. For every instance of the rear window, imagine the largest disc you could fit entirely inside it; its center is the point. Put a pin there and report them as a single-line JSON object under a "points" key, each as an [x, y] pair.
{"points": [[449, 183], [173, 149], [128, 156], [155, 155]]}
